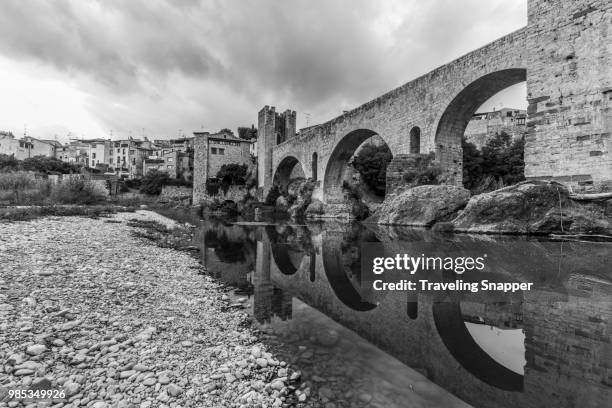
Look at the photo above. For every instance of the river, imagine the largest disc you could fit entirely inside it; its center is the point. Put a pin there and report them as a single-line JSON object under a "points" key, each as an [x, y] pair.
{"points": [[305, 288]]}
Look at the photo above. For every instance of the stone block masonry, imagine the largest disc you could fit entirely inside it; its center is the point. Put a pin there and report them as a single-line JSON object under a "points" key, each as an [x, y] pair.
{"points": [[211, 152]]}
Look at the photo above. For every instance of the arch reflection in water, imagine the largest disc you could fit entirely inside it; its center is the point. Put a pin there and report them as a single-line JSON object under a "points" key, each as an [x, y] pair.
{"points": [[447, 340]]}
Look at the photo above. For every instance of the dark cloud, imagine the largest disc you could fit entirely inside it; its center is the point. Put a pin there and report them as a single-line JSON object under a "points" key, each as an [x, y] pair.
{"points": [[168, 65]]}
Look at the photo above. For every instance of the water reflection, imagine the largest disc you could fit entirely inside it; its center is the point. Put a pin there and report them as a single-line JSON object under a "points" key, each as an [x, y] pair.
{"points": [[546, 347]]}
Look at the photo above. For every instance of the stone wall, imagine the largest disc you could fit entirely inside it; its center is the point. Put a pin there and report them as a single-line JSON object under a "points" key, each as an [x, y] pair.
{"points": [[570, 87], [403, 164], [233, 193], [207, 165], [176, 193]]}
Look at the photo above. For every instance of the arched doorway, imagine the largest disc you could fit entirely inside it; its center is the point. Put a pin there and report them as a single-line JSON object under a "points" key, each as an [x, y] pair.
{"points": [[458, 113], [415, 140]]}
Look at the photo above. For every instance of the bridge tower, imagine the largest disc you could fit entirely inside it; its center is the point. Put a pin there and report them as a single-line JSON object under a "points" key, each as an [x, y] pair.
{"points": [[273, 129]]}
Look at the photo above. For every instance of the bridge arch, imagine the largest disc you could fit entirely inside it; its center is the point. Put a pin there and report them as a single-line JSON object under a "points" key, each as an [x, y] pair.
{"points": [[456, 116], [337, 163], [460, 343], [289, 166]]}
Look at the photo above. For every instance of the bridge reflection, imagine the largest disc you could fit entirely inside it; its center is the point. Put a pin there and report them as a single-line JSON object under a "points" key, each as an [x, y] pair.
{"points": [[565, 320]]}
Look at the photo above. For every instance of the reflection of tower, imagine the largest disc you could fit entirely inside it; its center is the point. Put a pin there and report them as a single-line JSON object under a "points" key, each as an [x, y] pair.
{"points": [[281, 304], [262, 287]]}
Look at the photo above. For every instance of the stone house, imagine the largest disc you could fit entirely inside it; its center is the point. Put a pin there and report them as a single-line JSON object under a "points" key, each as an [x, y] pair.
{"points": [[211, 151], [26, 147]]}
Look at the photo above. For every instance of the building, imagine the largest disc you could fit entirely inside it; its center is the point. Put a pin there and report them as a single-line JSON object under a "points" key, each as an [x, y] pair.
{"points": [[127, 156], [183, 144], [177, 163], [74, 152], [483, 126], [211, 151], [26, 147]]}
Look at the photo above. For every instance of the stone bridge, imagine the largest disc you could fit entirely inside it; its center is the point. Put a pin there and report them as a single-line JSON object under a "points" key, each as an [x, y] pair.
{"points": [[563, 54]]}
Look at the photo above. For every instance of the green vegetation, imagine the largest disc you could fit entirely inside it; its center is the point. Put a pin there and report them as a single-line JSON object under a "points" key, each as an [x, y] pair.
{"points": [[500, 163], [247, 133], [22, 188], [233, 174], [38, 164], [154, 180], [371, 162]]}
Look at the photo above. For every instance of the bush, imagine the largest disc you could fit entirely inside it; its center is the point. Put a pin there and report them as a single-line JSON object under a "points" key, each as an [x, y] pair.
{"points": [[233, 174], [22, 189], [501, 160], [371, 162], [426, 176], [77, 191], [153, 182], [48, 165], [8, 163]]}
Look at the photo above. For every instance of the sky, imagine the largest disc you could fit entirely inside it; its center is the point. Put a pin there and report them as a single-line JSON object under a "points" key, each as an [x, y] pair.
{"points": [[164, 68]]}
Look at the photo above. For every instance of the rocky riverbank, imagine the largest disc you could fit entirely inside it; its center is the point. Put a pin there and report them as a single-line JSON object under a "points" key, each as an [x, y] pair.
{"points": [[116, 321], [529, 207]]}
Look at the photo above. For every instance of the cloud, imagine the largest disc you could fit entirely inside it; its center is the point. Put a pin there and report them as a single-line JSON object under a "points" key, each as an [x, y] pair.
{"points": [[166, 65]]}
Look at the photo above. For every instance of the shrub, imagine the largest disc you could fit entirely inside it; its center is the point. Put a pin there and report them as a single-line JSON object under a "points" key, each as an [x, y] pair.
{"points": [[371, 162], [48, 165], [8, 163], [153, 182], [426, 176], [77, 191], [16, 184], [501, 160], [232, 173]]}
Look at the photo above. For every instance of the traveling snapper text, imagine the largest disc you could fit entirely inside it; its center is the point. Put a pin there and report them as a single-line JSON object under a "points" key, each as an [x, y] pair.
{"points": [[412, 264]]}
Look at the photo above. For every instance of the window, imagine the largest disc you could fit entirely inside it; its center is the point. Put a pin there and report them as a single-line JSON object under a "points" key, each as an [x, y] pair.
{"points": [[170, 159], [314, 166], [415, 140], [132, 152], [221, 151], [123, 151], [133, 161], [213, 150], [118, 150], [93, 155], [110, 160], [169, 167]]}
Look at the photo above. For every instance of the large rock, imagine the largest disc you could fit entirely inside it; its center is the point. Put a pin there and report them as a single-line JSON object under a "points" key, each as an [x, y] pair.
{"points": [[421, 205], [531, 207]]}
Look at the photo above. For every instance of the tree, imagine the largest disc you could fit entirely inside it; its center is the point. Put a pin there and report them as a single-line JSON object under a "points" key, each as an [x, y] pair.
{"points": [[371, 162], [501, 159], [472, 164], [232, 173], [153, 182], [48, 165], [247, 133], [8, 163], [227, 130]]}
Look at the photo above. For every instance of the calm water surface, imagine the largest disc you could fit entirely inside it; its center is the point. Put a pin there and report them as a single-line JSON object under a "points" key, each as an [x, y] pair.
{"points": [[304, 286]]}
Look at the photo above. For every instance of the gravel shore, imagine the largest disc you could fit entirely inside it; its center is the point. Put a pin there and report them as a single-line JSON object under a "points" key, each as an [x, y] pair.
{"points": [[116, 321]]}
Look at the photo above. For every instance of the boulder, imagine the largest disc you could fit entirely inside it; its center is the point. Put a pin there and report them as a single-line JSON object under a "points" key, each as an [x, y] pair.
{"points": [[421, 205], [531, 207]]}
